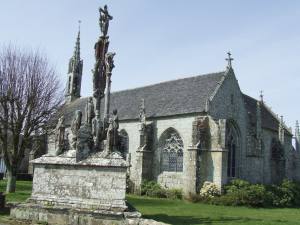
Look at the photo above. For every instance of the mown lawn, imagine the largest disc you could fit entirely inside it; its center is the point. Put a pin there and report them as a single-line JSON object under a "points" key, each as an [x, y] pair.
{"points": [[23, 191], [179, 212]]}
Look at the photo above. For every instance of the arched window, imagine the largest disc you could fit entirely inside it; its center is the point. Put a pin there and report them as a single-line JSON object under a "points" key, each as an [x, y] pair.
{"points": [[124, 143], [232, 145], [171, 146]]}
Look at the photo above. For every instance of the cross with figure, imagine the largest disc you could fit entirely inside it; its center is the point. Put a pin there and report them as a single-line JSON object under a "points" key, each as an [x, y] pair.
{"points": [[229, 59], [104, 20]]}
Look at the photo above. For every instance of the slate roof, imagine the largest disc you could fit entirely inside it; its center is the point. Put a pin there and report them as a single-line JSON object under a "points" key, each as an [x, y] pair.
{"points": [[182, 96], [269, 120]]}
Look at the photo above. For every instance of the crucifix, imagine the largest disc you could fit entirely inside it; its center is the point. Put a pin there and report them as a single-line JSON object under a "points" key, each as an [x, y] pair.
{"points": [[229, 59], [261, 96]]}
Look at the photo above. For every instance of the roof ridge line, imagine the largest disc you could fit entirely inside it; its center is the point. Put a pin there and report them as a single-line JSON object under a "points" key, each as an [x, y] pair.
{"points": [[169, 81], [276, 117]]}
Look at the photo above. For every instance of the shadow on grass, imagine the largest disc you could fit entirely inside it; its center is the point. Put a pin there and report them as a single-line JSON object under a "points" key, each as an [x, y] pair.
{"points": [[187, 220]]}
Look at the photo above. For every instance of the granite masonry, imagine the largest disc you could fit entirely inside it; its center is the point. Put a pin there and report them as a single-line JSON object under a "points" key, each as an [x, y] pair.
{"points": [[179, 133], [82, 178]]}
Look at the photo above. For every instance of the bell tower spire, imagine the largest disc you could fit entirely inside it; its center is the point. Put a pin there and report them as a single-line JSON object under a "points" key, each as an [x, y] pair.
{"points": [[74, 72]]}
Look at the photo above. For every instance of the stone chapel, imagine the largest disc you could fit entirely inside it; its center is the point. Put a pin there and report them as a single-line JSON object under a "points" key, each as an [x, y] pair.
{"points": [[184, 132]]}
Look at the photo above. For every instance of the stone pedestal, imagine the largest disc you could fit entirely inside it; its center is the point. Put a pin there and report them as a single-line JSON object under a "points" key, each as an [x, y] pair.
{"points": [[191, 174], [66, 190], [143, 168]]}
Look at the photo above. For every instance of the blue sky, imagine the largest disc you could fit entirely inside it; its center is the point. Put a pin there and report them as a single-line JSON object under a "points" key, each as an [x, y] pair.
{"points": [[163, 40]]}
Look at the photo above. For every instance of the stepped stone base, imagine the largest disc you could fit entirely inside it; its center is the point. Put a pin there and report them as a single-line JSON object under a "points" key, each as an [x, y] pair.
{"points": [[72, 216]]}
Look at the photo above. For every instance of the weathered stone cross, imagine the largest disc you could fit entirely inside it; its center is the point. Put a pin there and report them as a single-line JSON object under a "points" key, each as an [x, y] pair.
{"points": [[229, 59]]}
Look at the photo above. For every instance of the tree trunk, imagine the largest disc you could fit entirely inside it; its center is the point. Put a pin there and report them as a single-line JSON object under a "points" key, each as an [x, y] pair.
{"points": [[11, 180]]}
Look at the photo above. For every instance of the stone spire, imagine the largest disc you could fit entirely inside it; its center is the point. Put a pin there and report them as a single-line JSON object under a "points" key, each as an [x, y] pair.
{"points": [[281, 130], [297, 136], [74, 73]]}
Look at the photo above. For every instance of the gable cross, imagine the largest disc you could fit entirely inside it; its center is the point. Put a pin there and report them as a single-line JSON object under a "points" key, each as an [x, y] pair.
{"points": [[229, 59]]}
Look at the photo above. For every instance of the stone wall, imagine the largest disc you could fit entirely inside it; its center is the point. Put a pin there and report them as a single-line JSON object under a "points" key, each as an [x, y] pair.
{"points": [[228, 103], [87, 186], [183, 125]]}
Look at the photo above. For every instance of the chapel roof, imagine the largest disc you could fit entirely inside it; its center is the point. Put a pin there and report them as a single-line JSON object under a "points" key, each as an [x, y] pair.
{"points": [[175, 97], [181, 96], [268, 119]]}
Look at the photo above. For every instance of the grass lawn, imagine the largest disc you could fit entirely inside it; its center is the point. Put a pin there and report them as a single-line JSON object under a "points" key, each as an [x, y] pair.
{"points": [[23, 191], [178, 212]]}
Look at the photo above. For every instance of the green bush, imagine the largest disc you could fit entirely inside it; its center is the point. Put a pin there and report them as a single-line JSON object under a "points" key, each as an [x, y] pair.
{"points": [[235, 185], [239, 192], [153, 189], [174, 193]]}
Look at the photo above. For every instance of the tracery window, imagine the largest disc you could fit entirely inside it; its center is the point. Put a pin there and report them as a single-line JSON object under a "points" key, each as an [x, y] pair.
{"points": [[172, 152], [232, 145]]}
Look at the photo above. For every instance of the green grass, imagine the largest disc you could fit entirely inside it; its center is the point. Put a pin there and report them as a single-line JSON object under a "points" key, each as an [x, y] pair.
{"points": [[179, 212], [23, 191]]}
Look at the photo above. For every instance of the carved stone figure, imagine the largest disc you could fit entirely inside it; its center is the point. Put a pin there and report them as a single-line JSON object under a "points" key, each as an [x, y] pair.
{"points": [[112, 132], [200, 132], [99, 74], [97, 132], [84, 143], [75, 126], [90, 111], [104, 20], [109, 61], [60, 135]]}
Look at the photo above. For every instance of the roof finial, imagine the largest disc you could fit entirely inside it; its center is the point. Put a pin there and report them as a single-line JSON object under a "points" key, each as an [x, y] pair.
{"points": [[79, 22], [261, 96], [229, 59]]}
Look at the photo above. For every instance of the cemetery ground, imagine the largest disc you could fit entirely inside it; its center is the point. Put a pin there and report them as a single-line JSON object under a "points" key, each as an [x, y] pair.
{"points": [[179, 212]]}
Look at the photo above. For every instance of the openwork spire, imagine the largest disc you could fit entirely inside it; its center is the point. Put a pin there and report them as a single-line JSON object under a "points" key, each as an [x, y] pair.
{"points": [[77, 46]]}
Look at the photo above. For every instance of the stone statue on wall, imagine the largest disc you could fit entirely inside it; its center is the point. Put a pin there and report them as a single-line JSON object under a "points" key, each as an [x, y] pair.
{"points": [[60, 135], [104, 20], [90, 111], [75, 126], [201, 132], [112, 139]]}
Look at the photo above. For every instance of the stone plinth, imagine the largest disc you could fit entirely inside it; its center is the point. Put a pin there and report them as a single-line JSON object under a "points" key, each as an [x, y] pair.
{"points": [[64, 188]]}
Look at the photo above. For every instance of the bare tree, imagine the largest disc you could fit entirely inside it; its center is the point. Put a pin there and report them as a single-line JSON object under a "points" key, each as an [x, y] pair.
{"points": [[29, 95]]}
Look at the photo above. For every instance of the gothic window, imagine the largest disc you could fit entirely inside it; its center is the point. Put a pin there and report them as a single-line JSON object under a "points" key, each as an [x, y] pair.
{"points": [[179, 160], [277, 152], [124, 143], [171, 146], [165, 160], [232, 146]]}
